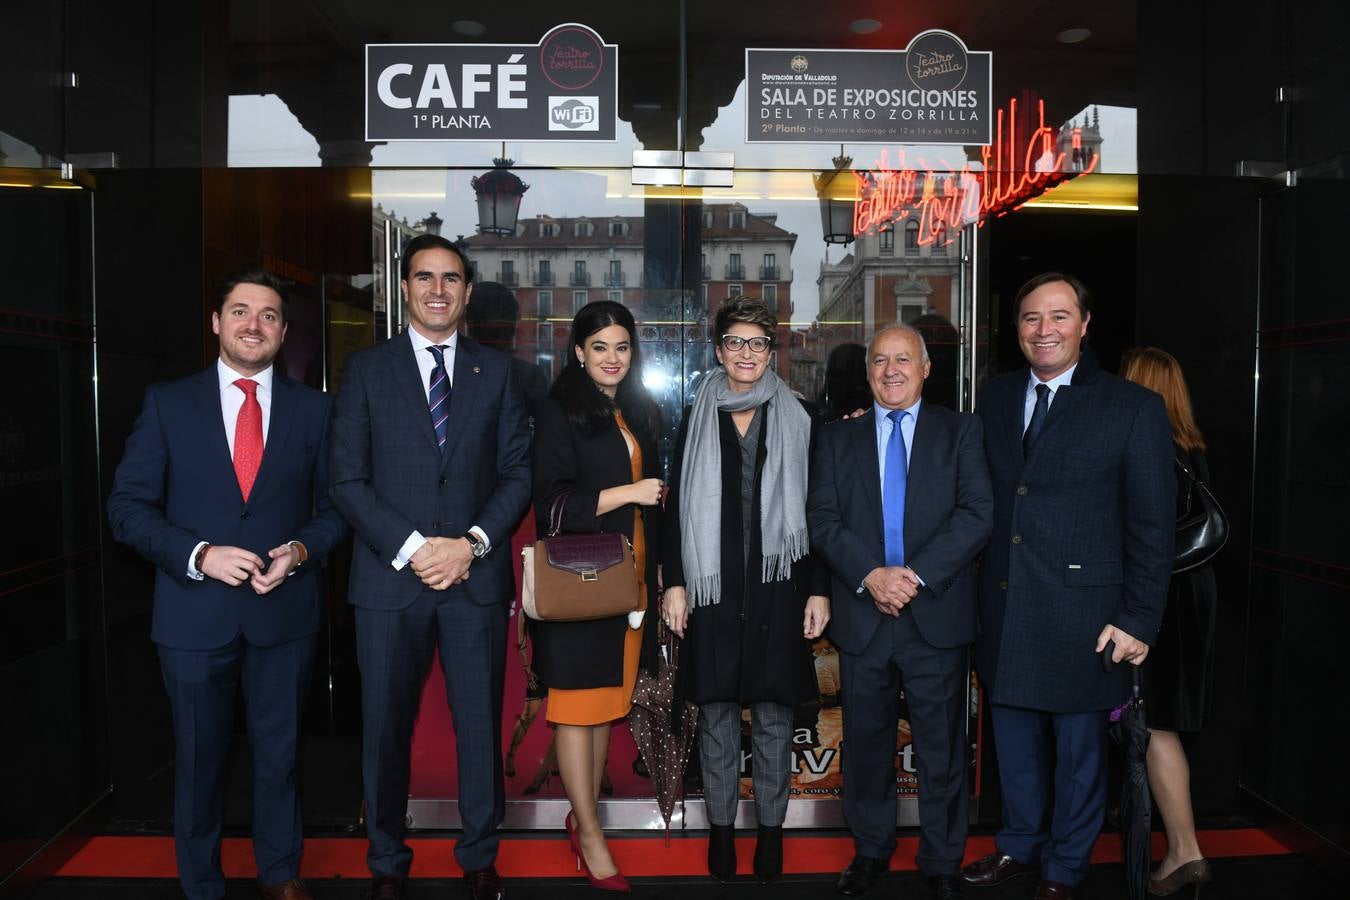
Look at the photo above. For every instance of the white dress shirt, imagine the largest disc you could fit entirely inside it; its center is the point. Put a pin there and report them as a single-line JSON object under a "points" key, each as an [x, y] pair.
{"points": [[426, 364], [231, 401], [1055, 384]]}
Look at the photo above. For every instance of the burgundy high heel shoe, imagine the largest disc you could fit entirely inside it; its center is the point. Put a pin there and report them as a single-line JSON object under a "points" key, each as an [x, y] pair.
{"points": [[615, 882]]}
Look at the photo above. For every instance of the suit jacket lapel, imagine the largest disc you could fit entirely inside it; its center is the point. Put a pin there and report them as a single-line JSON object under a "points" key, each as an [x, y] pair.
{"points": [[464, 391], [279, 421], [921, 460], [208, 398], [869, 468], [1015, 418], [1070, 396], [409, 379]]}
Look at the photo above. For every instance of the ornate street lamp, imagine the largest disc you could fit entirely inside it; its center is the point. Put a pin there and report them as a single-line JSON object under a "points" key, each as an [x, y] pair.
{"points": [[835, 190], [499, 192]]}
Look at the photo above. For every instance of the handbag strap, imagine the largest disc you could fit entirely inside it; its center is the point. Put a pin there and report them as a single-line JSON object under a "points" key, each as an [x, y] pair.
{"points": [[555, 513], [1185, 471]]}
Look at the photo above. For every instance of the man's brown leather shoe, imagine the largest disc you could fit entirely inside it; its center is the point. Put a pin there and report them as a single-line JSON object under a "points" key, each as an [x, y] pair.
{"points": [[993, 869], [385, 887], [485, 884], [1053, 890], [288, 890]]}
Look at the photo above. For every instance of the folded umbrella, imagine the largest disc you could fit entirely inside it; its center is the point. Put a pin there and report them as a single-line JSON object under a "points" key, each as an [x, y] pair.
{"points": [[664, 735], [1136, 803]]}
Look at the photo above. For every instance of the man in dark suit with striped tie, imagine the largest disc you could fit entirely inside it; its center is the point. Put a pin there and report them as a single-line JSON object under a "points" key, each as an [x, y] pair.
{"points": [[899, 506], [223, 487], [431, 467]]}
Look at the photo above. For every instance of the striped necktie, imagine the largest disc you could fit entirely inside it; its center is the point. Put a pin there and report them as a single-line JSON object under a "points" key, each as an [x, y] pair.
{"points": [[438, 396]]}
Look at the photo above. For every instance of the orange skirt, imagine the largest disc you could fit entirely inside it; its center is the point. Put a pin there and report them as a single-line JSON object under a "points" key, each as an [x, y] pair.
{"points": [[596, 706]]}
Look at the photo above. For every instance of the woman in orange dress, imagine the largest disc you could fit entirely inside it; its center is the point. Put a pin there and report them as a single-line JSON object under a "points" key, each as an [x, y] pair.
{"points": [[595, 462]]}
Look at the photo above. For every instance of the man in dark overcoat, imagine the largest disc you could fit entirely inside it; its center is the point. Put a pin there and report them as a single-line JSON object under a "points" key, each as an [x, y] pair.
{"points": [[1077, 570]]}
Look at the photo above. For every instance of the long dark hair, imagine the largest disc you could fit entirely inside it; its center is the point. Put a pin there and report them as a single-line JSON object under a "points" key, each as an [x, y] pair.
{"points": [[587, 407]]}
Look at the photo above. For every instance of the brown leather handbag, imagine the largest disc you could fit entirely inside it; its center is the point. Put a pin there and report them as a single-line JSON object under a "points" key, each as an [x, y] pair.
{"points": [[577, 577]]}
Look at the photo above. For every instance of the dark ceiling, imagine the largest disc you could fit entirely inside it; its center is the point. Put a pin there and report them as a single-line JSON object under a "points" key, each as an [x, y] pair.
{"points": [[311, 51]]}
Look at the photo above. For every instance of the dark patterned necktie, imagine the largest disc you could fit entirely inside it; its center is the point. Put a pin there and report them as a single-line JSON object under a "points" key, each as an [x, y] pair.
{"points": [[1037, 418], [438, 396]]}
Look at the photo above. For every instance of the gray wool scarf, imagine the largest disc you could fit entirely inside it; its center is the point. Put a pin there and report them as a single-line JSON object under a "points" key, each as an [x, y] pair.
{"points": [[782, 504]]}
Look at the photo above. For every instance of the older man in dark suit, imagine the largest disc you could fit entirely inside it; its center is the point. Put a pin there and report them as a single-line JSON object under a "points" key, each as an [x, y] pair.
{"points": [[1078, 567], [899, 507], [223, 487], [431, 467]]}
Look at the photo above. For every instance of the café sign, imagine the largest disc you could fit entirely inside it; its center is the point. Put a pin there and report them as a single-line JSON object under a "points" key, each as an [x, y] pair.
{"points": [[935, 91], [564, 88]]}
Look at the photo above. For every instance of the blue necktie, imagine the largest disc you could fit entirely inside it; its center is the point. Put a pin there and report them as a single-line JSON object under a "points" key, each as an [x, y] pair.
{"points": [[893, 492], [438, 397], [1037, 418]]}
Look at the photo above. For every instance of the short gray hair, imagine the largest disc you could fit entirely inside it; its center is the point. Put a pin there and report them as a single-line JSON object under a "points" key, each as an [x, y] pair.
{"points": [[907, 329]]}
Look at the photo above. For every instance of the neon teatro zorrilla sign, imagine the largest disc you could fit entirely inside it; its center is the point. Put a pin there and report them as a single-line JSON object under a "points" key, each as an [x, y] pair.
{"points": [[1014, 169]]}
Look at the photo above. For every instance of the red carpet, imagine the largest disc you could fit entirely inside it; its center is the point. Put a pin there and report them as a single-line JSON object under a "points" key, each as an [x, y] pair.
{"points": [[550, 857]]}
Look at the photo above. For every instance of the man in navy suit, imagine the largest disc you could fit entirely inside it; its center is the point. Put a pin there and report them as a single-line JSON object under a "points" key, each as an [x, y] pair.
{"points": [[900, 505], [431, 467], [224, 488], [1077, 568]]}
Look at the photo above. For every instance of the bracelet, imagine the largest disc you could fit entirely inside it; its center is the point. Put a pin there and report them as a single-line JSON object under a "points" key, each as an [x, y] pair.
{"points": [[201, 555]]}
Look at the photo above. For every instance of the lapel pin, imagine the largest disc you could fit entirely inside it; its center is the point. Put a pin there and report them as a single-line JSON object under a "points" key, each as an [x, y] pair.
{"points": [[476, 370]]}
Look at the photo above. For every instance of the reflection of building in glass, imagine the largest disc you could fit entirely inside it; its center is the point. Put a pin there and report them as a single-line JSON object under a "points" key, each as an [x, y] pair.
{"points": [[1081, 141], [890, 276], [557, 265], [746, 252], [403, 231]]}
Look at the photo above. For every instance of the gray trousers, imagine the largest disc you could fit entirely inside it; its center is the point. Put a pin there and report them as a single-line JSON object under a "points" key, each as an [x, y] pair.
{"points": [[720, 752]]}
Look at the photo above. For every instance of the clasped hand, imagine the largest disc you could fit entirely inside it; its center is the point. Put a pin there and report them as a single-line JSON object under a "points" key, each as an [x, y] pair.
{"points": [[235, 565], [441, 562], [892, 588]]}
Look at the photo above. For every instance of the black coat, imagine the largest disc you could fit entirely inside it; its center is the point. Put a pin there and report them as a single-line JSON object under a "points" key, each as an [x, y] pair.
{"points": [[1083, 535], [749, 647], [571, 655]]}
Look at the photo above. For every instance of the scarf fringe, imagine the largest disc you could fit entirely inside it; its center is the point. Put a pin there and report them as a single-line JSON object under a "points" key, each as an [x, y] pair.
{"points": [[778, 566], [706, 590]]}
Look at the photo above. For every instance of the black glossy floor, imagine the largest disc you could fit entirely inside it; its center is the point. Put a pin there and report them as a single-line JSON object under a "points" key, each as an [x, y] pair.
{"points": [[1270, 878]]}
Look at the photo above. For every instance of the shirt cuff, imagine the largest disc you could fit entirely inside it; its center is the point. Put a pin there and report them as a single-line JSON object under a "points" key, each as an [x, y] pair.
{"points": [[482, 536], [192, 571], [405, 553]]}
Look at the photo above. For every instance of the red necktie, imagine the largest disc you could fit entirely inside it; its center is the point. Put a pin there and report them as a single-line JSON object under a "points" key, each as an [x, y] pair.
{"points": [[248, 437]]}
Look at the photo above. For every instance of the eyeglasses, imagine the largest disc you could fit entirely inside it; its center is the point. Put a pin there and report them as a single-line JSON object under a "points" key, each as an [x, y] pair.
{"points": [[734, 342]]}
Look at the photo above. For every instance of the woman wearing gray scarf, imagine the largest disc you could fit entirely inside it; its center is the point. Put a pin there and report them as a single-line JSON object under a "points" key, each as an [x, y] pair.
{"points": [[741, 586]]}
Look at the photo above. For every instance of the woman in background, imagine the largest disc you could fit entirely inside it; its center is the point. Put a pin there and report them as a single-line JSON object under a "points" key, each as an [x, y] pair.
{"points": [[1179, 669], [595, 455]]}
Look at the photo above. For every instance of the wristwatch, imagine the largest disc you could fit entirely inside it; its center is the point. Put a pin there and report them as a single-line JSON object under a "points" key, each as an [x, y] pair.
{"points": [[476, 544]]}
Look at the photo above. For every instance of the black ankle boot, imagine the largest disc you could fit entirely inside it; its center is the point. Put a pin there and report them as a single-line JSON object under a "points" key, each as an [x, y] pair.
{"points": [[769, 853], [722, 851]]}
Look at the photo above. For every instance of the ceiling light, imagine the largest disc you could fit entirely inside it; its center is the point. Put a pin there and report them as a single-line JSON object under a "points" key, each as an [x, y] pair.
{"points": [[1073, 35], [469, 28], [864, 26]]}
